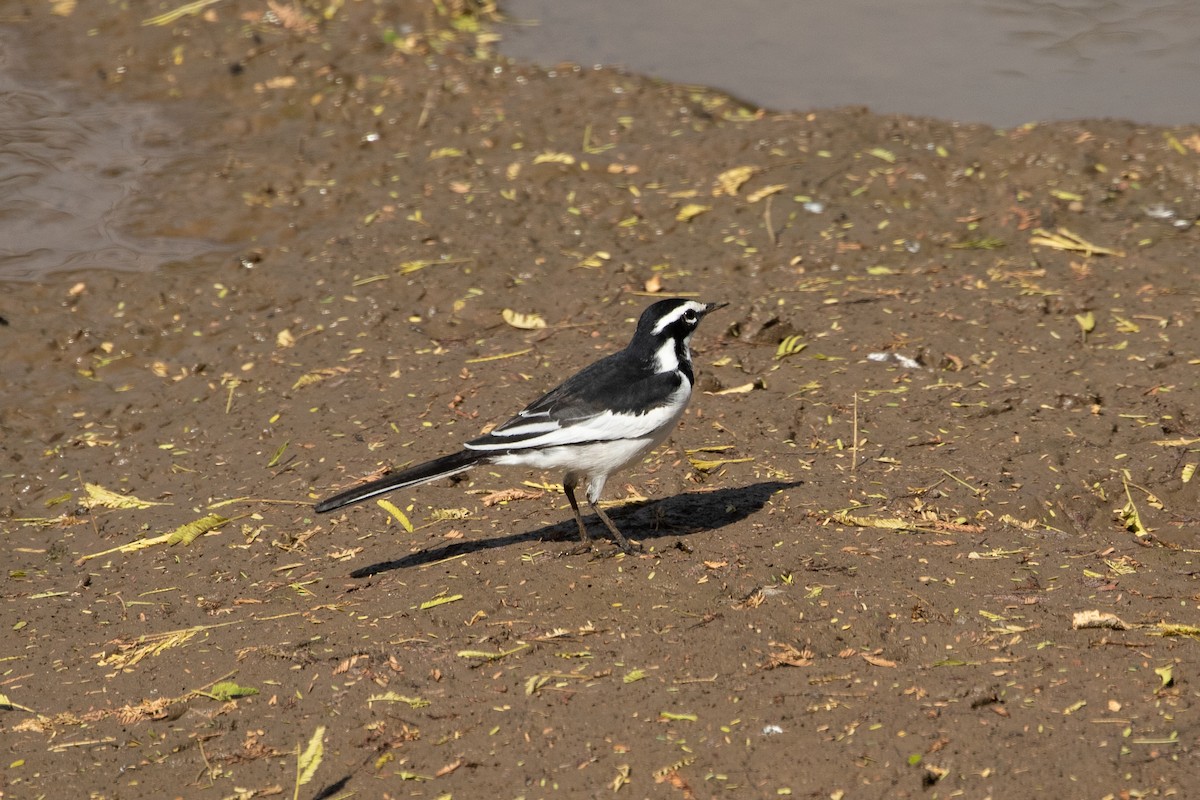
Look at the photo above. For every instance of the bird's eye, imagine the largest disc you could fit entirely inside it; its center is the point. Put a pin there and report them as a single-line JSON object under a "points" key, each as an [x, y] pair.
{"points": [[689, 315]]}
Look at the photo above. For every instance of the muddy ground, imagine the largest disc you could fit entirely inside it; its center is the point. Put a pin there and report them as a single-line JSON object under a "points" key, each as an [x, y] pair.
{"points": [[862, 578]]}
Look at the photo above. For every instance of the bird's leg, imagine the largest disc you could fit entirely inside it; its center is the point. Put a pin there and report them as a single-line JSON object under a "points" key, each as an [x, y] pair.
{"points": [[570, 481], [622, 542]]}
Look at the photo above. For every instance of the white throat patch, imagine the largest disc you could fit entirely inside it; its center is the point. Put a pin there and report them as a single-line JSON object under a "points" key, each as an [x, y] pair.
{"points": [[665, 357]]}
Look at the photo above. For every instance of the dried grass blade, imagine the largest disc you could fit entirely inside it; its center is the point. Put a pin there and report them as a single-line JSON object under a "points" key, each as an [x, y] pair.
{"points": [[186, 534]]}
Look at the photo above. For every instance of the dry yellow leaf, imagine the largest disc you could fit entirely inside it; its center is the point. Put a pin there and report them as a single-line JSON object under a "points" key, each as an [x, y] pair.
{"points": [[1098, 619], [1063, 239], [731, 180], [179, 13], [790, 346], [318, 375], [743, 389], [887, 523], [507, 496], [877, 660], [279, 82], [106, 498], [691, 211], [766, 191], [6, 703], [596, 259], [394, 697], [308, 761], [394, 510], [525, 322], [709, 464], [554, 158], [185, 534]]}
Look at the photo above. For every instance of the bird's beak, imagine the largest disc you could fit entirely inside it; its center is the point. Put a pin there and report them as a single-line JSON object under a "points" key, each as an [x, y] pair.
{"points": [[710, 307]]}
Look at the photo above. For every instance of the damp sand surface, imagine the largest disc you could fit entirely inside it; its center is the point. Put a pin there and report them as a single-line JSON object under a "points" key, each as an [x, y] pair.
{"points": [[926, 531]]}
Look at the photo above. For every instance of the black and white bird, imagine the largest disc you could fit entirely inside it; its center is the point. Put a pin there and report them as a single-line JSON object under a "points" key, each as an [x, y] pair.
{"points": [[598, 422]]}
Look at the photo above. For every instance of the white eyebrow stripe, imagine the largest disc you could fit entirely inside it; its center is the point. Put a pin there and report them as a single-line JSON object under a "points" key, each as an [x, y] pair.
{"points": [[674, 316]]}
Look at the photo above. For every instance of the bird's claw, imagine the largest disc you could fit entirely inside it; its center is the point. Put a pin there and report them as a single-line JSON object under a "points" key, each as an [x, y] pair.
{"points": [[580, 549], [627, 547]]}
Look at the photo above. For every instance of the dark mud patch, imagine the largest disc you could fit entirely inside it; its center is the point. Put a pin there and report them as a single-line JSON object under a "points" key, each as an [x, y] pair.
{"points": [[874, 596], [69, 166]]}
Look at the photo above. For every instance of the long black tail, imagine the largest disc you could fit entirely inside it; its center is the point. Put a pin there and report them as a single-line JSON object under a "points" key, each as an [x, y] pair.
{"points": [[422, 473]]}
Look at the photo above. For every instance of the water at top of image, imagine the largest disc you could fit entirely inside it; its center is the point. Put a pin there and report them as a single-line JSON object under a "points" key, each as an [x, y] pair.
{"points": [[1002, 62]]}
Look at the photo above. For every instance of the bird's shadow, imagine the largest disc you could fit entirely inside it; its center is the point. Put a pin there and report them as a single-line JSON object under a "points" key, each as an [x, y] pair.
{"points": [[678, 515]]}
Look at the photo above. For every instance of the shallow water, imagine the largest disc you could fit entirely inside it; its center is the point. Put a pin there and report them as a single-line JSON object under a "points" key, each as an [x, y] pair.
{"points": [[68, 167], [1003, 62]]}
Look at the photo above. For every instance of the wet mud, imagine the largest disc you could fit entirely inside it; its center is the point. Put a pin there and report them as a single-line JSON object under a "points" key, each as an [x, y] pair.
{"points": [[927, 530]]}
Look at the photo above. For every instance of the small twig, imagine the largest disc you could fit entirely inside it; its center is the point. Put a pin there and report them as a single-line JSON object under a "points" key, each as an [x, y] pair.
{"points": [[977, 492], [233, 384], [296, 791], [854, 444], [427, 106], [767, 222], [207, 765], [58, 748], [91, 510], [208, 685]]}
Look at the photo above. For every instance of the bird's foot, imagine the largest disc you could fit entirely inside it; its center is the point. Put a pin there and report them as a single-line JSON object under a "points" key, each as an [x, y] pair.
{"points": [[580, 549], [629, 547]]}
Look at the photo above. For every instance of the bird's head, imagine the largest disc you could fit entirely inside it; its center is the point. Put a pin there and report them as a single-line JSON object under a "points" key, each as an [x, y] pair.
{"points": [[664, 333], [675, 318]]}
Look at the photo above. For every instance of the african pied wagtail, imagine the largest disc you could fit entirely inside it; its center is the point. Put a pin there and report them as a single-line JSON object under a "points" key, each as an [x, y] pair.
{"points": [[598, 422]]}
